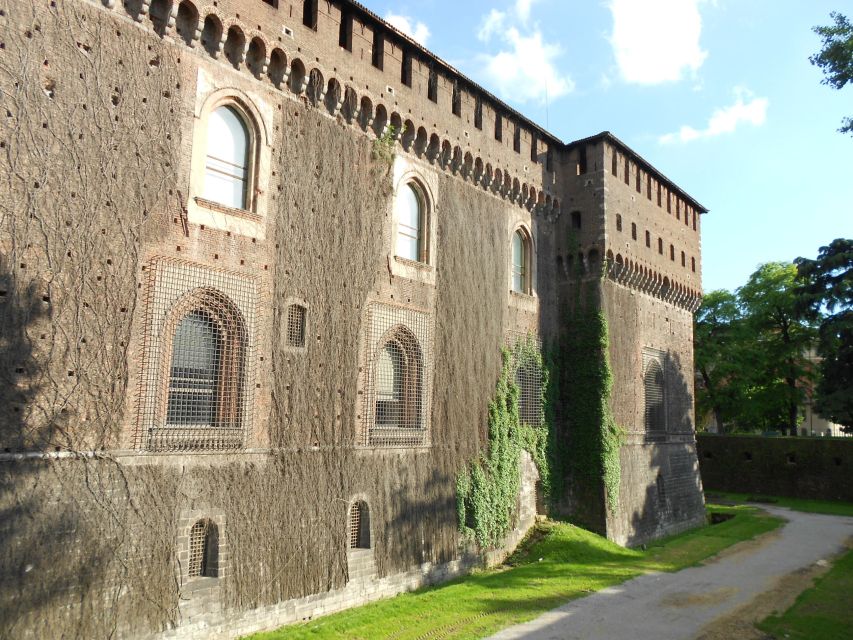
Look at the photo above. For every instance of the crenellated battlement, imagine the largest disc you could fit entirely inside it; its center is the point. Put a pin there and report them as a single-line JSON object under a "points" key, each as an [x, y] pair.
{"points": [[395, 87]]}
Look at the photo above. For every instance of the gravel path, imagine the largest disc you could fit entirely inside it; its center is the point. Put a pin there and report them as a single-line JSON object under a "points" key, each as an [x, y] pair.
{"points": [[663, 606]]}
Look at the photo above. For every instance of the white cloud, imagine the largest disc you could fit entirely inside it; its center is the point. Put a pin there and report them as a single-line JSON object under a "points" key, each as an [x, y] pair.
{"points": [[415, 29], [725, 120], [656, 41], [525, 68]]}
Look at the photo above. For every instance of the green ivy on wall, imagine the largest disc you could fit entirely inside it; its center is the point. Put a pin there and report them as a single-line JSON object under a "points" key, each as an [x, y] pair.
{"points": [[581, 367], [487, 491]]}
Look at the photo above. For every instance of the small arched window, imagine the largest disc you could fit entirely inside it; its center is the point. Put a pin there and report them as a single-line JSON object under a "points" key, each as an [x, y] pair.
{"points": [[359, 526], [521, 262], [204, 550], [409, 206], [227, 163], [653, 385]]}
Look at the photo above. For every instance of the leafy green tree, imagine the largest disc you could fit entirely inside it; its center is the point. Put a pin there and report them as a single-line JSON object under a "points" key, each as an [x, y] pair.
{"points": [[777, 338], [826, 295], [836, 57], [717, 354]]}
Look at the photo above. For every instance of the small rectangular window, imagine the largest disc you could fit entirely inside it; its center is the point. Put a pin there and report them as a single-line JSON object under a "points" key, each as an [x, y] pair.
{"points": [[668, 201], [618, 222], [694, 220], [478, 113], [516, 139], [639, 181], [549, 159], [683, 260], [633, 231], [649, 186], [660, 246], [582, 166], [648, 239], [499, 127], [309, 14], [432, 85], [378, 49], [345, 35], [672, 253], [296, 326], [660, 189], [627, 170], [693, 264], [406, 69], [534, 149], [677, 209], [456, 103], [614, 167]]}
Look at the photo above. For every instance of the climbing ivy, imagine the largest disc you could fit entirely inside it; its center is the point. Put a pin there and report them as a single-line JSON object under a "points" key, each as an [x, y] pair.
{"points": [[487, 491], [582, 373]]}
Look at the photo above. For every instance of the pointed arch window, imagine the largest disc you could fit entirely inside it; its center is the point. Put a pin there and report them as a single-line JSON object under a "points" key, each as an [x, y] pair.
{"points": [[411, 219], [521, 262], [227, 163]]}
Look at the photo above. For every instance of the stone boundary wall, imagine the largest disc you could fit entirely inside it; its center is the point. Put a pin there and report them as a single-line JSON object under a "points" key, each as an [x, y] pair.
{"points": [[811, 468]]}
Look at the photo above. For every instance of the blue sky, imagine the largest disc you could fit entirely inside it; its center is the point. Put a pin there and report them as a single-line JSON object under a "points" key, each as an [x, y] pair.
{"points": [[718, 94]]}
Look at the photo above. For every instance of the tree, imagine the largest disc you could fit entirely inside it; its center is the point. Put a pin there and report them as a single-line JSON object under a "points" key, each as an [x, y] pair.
{"points": [[836, 57], [718, 346], [779, 340], [826, 295]]}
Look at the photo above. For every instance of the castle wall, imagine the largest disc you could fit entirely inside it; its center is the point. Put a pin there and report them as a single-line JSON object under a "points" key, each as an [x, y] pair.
{"points": [[105, 234]]}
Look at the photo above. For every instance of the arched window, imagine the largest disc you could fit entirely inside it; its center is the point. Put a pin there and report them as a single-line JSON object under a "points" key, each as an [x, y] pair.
{"points": [[398, 388], [653, 384], [521, 262], [204, 393], [359, 526], [204, 550], [227, 163], [409, 205]]}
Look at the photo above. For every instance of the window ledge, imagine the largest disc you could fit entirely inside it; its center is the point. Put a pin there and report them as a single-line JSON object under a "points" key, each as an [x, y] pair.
{"points": [[231, 211], [421, 266]]}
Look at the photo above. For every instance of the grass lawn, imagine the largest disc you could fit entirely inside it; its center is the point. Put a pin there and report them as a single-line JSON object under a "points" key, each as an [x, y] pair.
{"points": [[822, 612], [797, 504], [561, 563]]}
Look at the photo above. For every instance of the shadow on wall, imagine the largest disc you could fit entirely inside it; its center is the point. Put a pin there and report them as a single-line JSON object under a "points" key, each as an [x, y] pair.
{"points": [[671, 499], [29, 578]]}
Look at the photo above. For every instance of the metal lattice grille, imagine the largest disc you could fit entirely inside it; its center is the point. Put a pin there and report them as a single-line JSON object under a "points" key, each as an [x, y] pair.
{"points": [[204, 544], [359, 526], [198, 366], [296, 325], [655, 400], [399, 355], [527, 365]]}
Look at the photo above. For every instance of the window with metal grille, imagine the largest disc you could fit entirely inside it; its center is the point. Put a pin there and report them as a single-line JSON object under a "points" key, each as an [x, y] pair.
{"points": [[204, 400], [399, 386], [655, 401], [409, 206], [359, 526], [296, 325], [204, 550], [527, 364], [397, 377], [227, 163]]}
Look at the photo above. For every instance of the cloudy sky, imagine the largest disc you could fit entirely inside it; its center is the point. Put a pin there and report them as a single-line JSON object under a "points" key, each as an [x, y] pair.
{"points": [[718, 94]]}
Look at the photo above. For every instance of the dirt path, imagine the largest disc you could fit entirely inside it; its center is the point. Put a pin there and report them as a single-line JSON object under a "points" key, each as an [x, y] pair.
{"points": [[719, 599]]}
